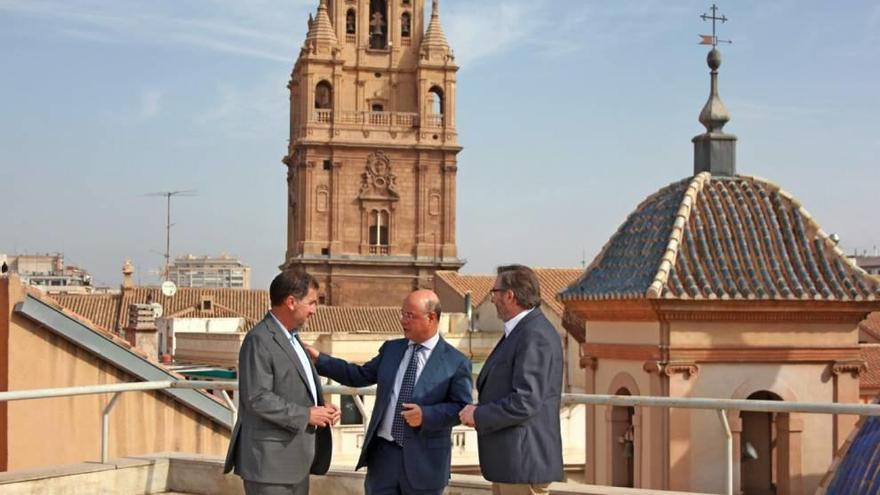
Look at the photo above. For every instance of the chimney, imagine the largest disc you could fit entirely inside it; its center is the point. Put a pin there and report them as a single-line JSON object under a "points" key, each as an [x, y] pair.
{"points": [[127, 275], [714, 150], [141, 330]]}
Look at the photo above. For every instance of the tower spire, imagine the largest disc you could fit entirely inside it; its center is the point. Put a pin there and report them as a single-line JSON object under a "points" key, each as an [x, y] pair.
{"points": [[434, 40], [714, 150], [320, 33]]}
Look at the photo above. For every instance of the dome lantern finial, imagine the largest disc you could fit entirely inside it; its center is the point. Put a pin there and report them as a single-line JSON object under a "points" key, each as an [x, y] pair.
{"points": [[714, 151]]}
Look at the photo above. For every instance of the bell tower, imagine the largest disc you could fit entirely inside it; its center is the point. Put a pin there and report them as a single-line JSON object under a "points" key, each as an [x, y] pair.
{"points": [[371, 163]]}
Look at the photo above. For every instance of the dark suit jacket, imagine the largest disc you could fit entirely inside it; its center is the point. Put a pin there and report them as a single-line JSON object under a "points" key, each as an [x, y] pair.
{"points": [[272, 441], [443, 389], [517, 420]]}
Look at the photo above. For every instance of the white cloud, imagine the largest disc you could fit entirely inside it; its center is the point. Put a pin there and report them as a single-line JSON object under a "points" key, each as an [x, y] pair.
{"points": [[478, 30], [250, 32], [257, 110]]}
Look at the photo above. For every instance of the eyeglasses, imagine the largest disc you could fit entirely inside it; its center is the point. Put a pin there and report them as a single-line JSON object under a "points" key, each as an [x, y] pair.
{"points": [[406, 316], [494, 290]]}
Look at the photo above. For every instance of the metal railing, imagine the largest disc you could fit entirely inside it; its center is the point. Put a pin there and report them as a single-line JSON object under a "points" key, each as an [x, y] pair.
{"points": [[722, 406]]}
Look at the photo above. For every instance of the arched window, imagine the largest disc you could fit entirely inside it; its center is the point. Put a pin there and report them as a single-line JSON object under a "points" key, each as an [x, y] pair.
{"points": [[405, 25], [759, 442], [378, 24], [379, 228], [350, 22], [435, 95], [323, 96]]}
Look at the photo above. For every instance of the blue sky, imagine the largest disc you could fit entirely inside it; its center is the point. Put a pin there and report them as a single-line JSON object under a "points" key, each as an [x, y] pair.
{"points": [[570, 113]]}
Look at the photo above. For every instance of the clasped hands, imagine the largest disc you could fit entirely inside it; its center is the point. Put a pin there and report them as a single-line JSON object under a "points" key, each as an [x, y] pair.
{"points": [[326, 415]]}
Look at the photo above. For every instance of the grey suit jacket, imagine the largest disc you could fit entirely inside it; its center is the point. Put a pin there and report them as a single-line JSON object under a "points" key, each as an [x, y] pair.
{"points": [[272, 441], [517, 419]]}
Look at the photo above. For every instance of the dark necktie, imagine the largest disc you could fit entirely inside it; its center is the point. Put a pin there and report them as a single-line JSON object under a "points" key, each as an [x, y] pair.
{"points": [[406, 389]]}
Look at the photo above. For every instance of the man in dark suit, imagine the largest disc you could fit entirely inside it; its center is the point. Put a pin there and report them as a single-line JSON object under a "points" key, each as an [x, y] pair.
{"points": [[519, 389], [283, 429], [422, 384]]}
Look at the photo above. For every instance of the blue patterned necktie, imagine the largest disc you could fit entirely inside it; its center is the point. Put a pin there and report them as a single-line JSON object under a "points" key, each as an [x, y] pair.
{"points": [[406, 389]]}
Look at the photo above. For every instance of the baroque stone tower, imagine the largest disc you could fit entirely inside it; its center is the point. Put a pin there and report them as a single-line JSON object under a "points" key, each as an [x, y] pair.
{"points": [[372, 154]]}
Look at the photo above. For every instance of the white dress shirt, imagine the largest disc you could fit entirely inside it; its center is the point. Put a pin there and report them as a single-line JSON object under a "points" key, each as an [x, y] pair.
{"points": [[510, 324], [384, 430], [303, 358]]}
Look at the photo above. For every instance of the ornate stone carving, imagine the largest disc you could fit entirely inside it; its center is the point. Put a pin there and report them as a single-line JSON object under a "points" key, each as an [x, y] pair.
{"points": [[854, 367], [378, 182], [689, 369]]}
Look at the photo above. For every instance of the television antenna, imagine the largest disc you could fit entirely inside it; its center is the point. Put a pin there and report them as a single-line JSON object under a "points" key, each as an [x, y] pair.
{"points": [[168, 195]]}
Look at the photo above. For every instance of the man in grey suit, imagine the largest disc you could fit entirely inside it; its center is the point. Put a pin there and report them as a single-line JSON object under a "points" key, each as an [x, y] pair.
{"points": [[283, 429], [520, 389]]}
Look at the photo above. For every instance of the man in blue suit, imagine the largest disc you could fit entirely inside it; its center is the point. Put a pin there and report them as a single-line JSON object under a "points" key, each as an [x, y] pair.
{"points": [[520, 387], [423, 382]]}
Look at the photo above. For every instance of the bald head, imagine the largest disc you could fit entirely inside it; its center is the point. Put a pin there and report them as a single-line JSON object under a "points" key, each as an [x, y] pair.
{"points": [[420, 315], [427, 300]]}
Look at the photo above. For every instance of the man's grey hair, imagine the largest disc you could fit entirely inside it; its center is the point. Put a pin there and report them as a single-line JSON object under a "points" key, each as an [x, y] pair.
{"points": [[523, 281]]}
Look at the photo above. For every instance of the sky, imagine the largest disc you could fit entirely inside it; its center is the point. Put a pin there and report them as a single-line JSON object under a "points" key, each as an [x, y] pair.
{"points": [[570, 113]]}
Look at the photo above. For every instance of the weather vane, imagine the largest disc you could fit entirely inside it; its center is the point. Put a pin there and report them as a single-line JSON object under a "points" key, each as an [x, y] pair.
{"points": [[713, 40]]}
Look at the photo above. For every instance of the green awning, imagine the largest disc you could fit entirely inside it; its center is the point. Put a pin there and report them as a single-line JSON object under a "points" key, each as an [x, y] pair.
{"points": [[210, 373]]}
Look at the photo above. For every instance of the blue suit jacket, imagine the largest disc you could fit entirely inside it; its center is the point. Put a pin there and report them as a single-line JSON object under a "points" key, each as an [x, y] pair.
{"points": [[443, 389], [517, 420]]}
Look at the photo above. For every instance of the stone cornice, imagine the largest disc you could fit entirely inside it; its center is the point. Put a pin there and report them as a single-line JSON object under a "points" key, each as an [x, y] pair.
{"points": [[723, 354], [765, 354], [795, 311]]}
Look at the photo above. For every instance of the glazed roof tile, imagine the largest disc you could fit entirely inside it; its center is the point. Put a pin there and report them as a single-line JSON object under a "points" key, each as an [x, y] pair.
{"points": [[856, 468], [722, 238]]}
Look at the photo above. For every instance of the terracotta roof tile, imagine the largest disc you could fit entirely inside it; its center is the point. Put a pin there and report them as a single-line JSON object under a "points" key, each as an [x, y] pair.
{"points": [[553, 281], [478, 285], [100, 309], [111, 311], [870, 378], [249, 304], [358, 319], [871, 325], [722, 238], [52, 301]]}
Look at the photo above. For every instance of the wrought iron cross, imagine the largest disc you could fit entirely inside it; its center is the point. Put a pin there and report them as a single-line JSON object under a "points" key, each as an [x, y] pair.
{"points": [[713, 40]]}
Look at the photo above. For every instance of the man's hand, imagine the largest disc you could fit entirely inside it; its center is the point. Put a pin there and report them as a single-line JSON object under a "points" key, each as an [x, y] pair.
{"points": [[323, 415], [311, 351], [335, 413], [412, 414], [466, 415]]}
